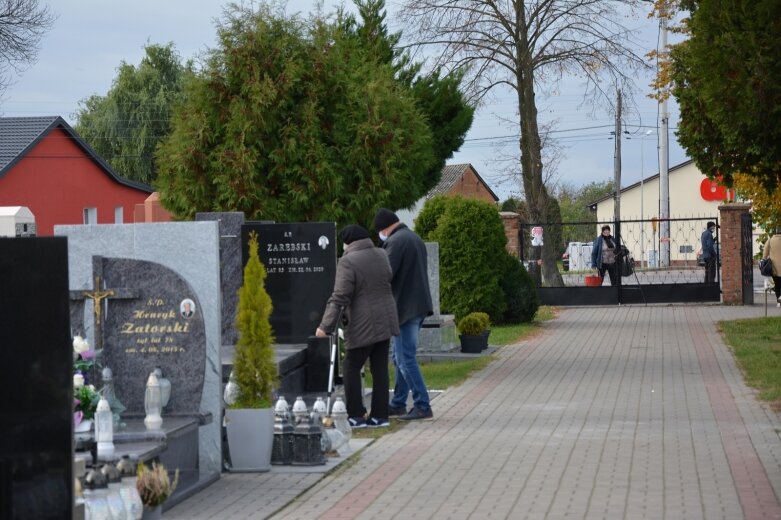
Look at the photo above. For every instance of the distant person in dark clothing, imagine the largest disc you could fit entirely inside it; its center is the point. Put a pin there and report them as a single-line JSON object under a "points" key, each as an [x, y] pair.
{"points": [[604, 255], [409, 261], [709, 255], [363, 289]]}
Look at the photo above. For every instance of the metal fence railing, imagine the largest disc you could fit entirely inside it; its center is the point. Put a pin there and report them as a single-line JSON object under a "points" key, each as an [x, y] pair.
{"points": [[658, 257]]}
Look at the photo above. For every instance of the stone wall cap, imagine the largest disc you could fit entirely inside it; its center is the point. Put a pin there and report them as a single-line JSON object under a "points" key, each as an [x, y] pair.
{"points": [[735, 206]]}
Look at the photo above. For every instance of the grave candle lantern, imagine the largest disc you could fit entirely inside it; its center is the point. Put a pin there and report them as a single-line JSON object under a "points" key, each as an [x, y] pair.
{"points": [[307, 437], [104, 429], [342, 424], [128, 491], [153, 404], [282, 449], [165, 387]]}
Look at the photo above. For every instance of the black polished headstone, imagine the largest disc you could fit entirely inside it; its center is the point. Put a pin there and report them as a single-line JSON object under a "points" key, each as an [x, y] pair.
{"points": [[163, 327], [36, 421], [300, 260]]}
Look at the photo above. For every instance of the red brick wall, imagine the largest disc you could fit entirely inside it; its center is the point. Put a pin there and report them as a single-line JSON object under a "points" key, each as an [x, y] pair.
{"points": [[729, 243], [469, 186]]}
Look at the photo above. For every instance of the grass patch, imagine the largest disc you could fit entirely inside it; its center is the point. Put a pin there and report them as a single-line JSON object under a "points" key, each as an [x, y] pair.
{"points": [[757, 347], [509, 334]]}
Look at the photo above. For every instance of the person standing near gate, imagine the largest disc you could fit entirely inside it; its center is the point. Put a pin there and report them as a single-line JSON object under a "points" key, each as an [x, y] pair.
{"points": [[409, 261], [772, 250], [709, 255], [604, 255]]}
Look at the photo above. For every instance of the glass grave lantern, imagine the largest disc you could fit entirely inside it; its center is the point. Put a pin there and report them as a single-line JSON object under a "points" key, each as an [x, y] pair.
{"points": [[153, 404]]}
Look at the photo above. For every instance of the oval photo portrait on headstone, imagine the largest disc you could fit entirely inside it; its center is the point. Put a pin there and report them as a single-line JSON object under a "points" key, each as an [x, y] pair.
{"points": [[187, 308]]}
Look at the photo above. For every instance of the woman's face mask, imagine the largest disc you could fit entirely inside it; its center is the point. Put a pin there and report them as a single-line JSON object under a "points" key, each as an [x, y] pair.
{"points": [[383, 236]]}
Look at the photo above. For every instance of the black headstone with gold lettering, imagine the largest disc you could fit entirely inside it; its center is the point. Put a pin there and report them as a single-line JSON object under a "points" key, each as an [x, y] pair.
{"points": [[300, 260], [36, 418]]}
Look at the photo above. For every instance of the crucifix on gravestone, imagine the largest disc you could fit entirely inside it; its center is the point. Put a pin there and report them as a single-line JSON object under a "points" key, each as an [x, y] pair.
{"points": [[100, 296], [97, 296]]}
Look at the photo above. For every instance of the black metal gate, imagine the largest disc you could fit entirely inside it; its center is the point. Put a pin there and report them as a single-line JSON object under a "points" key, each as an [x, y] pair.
{"points": [[747, 261], [661, 262]]}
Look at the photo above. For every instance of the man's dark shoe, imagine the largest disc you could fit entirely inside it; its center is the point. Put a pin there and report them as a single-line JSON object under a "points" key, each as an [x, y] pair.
{"points": [[416, 414], [395, 412]]}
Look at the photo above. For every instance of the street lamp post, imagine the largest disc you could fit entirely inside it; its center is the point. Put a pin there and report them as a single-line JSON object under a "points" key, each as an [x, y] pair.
{"points": [[642, 197]]}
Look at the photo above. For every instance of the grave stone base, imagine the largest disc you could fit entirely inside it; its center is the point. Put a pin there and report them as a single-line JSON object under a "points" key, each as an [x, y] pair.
{"points": [[291, 363], [175, 446], [438, 334]]}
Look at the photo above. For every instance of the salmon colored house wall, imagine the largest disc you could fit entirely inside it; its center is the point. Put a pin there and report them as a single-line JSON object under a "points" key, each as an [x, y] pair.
{"points": [[57, 179]]}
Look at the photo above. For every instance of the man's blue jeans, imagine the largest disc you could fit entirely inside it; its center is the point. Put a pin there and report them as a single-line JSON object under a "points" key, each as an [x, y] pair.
{"points": [[408, 376]]}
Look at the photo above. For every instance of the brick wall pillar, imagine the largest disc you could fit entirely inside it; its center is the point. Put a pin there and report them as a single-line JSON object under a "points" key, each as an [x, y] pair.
{"points": [[729, 244], [511, 223]]}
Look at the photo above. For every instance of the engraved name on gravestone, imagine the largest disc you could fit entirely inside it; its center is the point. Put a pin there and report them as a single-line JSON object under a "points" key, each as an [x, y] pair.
{"points": [[162, 327], [300, 261]]}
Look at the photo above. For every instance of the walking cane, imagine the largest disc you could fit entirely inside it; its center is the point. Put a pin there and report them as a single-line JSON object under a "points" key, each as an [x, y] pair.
{"points": [[334, 340]]}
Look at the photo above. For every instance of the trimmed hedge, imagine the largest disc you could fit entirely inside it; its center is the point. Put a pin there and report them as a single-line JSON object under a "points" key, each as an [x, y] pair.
{"points": [[428, 218], [471, 238], [520, 294]]}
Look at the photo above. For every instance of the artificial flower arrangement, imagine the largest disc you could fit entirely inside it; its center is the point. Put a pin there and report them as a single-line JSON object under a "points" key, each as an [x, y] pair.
{"points": [[85, 400], [153, 485], [83, 356], [85, 397]]}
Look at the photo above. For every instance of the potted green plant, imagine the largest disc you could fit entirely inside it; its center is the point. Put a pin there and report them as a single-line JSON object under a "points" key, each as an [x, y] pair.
{"points": [[250, 418], [473, 330], [154, 487]]}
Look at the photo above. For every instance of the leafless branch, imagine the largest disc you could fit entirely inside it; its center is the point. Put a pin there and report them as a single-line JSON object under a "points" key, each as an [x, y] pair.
{"points": [[22, 25]]}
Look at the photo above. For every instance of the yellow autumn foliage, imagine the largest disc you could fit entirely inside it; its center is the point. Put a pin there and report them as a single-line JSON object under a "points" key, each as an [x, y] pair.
{"points": [[766, 206]]}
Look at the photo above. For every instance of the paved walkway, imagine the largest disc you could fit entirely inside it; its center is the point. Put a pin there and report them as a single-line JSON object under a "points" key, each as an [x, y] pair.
{"points": [[631, 412]]}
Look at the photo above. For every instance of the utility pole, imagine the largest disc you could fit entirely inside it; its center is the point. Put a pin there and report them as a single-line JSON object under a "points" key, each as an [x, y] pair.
{"points": [[617, 167], [664, 160]]}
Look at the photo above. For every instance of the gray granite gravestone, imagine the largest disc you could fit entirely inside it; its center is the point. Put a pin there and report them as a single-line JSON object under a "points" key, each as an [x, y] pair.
{"points": [[300, 261], [231, 271], [438, 333], [184, 258]]}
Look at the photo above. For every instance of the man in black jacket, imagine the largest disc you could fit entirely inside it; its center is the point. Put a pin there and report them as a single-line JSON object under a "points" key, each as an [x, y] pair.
{"points": [[408, 259]]}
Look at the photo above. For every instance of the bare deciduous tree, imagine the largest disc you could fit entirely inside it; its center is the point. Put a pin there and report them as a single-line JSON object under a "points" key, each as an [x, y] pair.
{"points": [[22, 24], [523, 45]]}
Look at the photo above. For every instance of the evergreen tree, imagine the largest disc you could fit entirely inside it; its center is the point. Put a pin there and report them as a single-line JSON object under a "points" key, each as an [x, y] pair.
{"points": [[255, 365], [448, 113], [291, 120], [126, 125], [471, 252]]}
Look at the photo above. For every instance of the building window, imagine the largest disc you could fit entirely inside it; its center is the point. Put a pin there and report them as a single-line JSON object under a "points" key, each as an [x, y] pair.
{"points": [[118, 215], [90, 215]]}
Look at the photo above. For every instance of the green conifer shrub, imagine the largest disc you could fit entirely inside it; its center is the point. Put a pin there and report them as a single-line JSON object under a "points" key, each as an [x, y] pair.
{"points": [[474, 324], [427, 219], [471, 244], [520, 294], [254, 365]]}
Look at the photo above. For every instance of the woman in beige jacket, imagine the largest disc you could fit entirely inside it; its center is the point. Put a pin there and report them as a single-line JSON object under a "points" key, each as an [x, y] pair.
{"points": [[772, 250]]}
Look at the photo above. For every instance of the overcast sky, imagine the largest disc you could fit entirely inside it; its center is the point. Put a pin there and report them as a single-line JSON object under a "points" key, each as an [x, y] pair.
{"points": [[90, 38]]}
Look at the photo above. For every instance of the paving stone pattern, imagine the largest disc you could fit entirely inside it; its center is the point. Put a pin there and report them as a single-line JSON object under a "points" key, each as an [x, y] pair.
{"points": [[615, 412]]}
